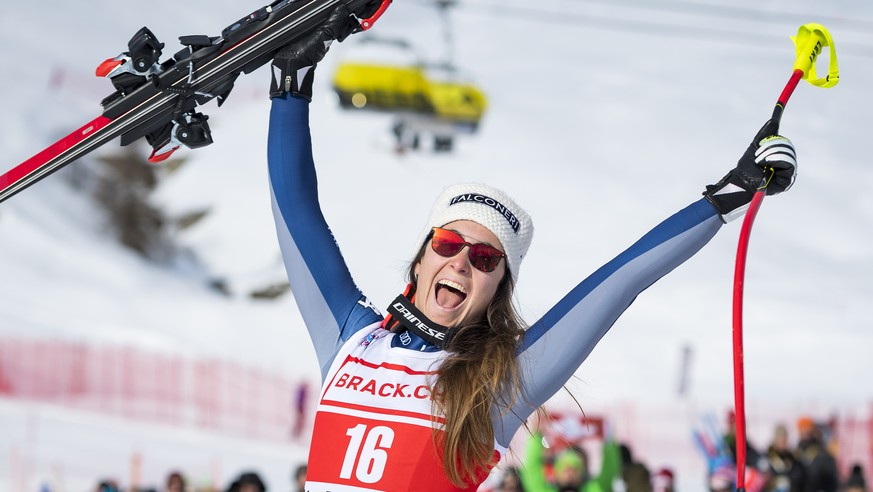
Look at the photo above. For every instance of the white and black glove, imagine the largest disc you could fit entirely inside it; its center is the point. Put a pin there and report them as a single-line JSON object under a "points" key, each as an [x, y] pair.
{"points": [[293, 66], [769, 163]]}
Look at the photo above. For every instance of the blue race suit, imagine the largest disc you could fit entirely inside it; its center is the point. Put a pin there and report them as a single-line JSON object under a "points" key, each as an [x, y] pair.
{"points": [[374, 424]]}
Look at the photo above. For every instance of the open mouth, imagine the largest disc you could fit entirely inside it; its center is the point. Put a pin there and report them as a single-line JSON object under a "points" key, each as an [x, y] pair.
{"points": [[449, 295]]}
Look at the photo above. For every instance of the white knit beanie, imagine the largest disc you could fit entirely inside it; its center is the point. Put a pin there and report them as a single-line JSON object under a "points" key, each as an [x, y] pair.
{"points": [[490, 208]]}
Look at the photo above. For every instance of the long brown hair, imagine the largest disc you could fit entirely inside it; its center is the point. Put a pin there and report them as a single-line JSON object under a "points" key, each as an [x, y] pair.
{"points": [[480, 371]]}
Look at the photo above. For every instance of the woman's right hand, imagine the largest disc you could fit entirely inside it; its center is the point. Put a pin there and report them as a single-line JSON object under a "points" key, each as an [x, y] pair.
{"points": [[293, 67]]}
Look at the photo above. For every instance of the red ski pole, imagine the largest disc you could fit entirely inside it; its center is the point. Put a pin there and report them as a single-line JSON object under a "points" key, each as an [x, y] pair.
{"points": [[810, 40]]}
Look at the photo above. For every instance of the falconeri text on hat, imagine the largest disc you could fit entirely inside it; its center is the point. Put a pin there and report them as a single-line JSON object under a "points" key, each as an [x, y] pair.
{"points": [[491, 208]]}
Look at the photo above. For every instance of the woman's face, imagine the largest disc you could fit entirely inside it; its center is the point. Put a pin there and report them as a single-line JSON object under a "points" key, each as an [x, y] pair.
{"points": [[450, 291]]}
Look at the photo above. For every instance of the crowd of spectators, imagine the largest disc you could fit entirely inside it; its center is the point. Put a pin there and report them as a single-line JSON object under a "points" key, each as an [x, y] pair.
{"points": [[246, 481], [807, 465]]}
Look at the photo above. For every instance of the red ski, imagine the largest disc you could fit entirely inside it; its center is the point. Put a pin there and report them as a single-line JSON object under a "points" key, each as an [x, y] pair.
{"points": [[54, 157]]}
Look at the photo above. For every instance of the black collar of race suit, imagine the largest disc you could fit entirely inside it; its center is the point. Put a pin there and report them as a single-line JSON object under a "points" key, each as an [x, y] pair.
{"points": [[403, 315]]}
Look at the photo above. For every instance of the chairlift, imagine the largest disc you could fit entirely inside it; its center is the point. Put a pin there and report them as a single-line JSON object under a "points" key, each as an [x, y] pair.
{"points": [[387, 75], [439, 90]]}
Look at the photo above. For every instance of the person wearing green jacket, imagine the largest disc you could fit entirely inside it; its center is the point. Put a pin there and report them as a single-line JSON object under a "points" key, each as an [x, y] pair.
{"points": [[570, 467]]}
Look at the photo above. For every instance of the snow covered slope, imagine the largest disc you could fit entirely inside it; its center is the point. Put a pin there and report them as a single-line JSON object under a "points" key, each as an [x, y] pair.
{"points": [[604, 117]]}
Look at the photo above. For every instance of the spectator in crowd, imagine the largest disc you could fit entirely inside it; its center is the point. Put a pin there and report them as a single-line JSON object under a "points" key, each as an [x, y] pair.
{"points": [[247, 482], [635, 475], [820, 465], [107, 485], [301, 403], [300, 478], [753, 457], [784, 472], [570, 469], [176, 482], [663, 481], [722, 479], [855, 482], [510, 481]]}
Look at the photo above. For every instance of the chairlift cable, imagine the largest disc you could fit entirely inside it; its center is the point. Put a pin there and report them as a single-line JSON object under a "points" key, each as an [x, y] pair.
{"points": [[656, 28], [736, 12]]}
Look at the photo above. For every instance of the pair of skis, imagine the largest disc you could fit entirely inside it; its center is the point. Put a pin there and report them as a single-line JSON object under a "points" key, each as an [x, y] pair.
{"points": [[157, 100]]}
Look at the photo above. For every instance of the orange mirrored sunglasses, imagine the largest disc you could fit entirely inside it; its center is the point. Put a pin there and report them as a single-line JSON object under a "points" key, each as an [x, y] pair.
{"points": [[448, 243]]}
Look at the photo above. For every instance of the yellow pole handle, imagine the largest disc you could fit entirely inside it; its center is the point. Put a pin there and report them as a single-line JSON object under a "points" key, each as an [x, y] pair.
{"points": [[809, 42]]}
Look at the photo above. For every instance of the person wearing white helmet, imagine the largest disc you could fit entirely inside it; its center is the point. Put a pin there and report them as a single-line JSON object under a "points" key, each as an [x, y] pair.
{"points": [[428, 397]]}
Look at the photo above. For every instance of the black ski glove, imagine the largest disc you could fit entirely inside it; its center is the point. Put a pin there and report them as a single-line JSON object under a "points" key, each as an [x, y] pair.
{"points": [[294, 65], [769, 163]]}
